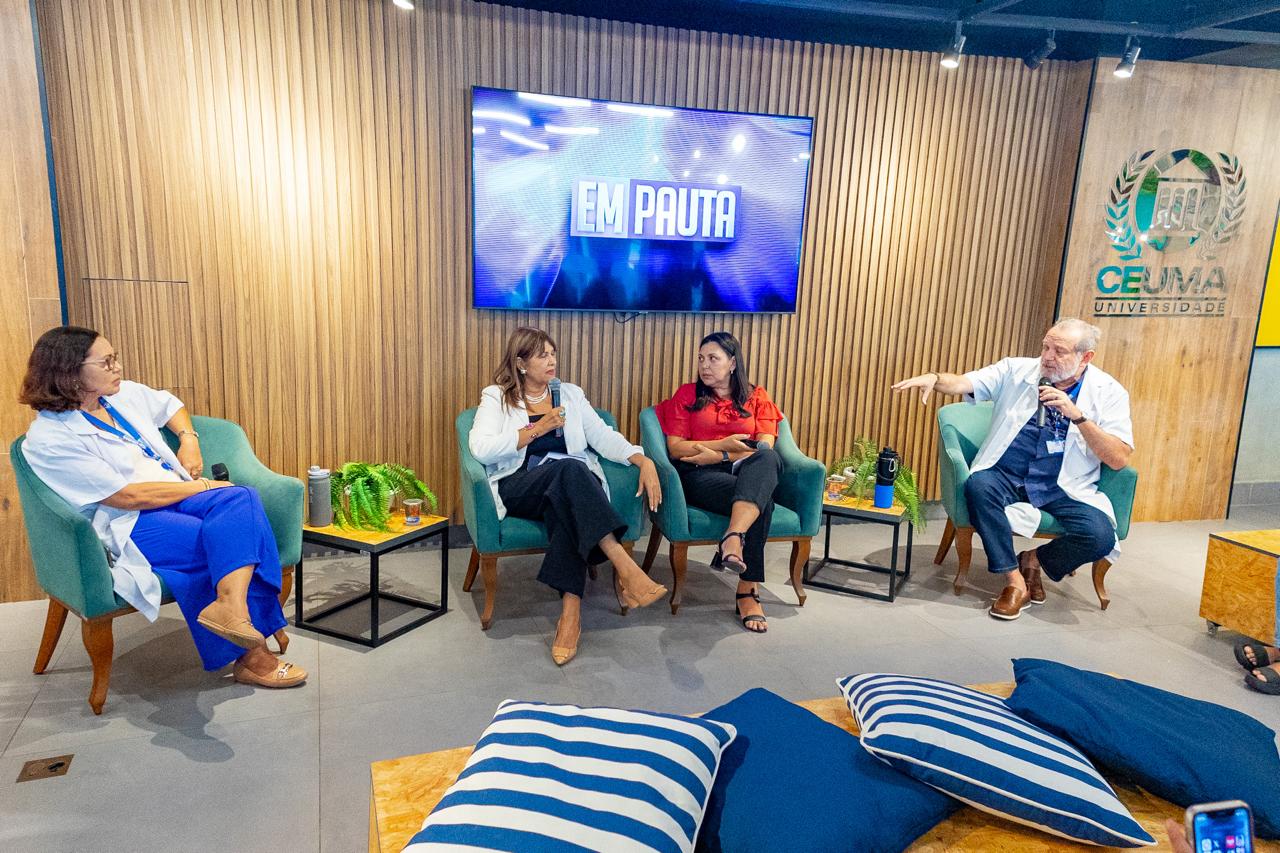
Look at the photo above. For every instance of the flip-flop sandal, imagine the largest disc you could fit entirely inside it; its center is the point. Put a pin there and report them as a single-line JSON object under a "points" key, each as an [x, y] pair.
{"points": [[754, 617], [285, 675], [1269, 683], [1261, 656]]}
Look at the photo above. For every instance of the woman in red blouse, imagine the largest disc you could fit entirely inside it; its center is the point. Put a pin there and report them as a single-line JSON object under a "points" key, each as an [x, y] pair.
{"points": [[720, 433]]}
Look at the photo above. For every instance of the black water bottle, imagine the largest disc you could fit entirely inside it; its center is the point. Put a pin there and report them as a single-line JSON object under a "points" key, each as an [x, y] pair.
{"points": [[887, 464]]}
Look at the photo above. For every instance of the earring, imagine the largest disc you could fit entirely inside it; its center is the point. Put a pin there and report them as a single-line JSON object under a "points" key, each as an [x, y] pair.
{"points": [[523, 371]]}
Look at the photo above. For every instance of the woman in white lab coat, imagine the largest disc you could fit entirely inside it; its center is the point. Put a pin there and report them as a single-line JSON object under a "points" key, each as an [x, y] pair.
{"points": [[96, 442], [541, 464]]}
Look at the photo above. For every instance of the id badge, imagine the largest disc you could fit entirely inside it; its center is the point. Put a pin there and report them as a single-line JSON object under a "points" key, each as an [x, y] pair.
{"points": [[1055, 447]]}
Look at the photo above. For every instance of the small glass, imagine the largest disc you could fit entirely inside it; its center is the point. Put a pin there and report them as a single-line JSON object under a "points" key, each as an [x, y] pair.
{"points": [[835, 486], [412, 512]]}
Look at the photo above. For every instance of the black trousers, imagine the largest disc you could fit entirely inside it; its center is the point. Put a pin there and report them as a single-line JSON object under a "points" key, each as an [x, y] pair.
{"points": [[566, 497], [717, 487]]}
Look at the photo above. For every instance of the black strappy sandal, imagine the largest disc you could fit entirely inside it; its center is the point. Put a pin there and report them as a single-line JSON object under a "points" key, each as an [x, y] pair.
{"points": [[729, 563], [1269, 683], [1261, 656], [754, 617]]}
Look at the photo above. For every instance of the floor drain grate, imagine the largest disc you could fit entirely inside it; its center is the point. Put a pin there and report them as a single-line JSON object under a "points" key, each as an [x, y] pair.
{"points": [[45, 768]]}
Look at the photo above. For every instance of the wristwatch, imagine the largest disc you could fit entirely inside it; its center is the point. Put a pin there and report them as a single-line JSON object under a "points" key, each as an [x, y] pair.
{"points": [[1079, 420], [726, 455]]}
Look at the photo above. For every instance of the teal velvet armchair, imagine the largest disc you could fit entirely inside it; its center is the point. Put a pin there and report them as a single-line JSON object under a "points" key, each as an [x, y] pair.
{"points": [[963, 427], [71, 562], [797, 512], [512, 536]]}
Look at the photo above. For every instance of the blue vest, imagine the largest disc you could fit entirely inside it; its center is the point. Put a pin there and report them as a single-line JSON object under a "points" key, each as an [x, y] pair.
{"points": [[1029, 459]]}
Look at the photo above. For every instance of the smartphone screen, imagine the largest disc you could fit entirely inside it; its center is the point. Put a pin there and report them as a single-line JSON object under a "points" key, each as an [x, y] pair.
{"points": [[1225, 831]]}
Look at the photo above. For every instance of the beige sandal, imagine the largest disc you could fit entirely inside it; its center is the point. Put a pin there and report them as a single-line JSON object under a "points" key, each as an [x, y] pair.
{"points": [[286, 675], [238, 631]]}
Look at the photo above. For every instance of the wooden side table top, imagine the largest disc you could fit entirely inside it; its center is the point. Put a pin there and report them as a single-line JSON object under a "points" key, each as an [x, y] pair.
{"points": [[1264, 541], [379, 539], [855, 507]]}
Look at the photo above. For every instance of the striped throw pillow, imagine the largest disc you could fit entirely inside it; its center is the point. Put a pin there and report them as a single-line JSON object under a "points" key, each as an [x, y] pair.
{"points": [[559, 777], [970, 745]]}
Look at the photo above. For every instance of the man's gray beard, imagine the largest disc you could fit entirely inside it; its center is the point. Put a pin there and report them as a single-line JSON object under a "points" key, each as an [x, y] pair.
{"points": [[1055, 378]]}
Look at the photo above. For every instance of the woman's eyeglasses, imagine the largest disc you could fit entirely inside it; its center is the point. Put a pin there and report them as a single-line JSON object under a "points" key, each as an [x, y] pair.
{"points": [[110, 362]]}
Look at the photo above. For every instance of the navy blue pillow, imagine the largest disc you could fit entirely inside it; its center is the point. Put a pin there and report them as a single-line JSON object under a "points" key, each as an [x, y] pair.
{"points": [[792, 781], [1184, 750]]}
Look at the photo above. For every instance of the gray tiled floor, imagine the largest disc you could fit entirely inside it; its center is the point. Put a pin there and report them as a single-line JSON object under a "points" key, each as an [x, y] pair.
{"points": [[186, 760]]}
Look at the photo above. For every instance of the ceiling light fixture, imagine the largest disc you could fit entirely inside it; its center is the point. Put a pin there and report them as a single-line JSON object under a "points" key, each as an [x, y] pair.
{"points": [[1035, 58], [1132, 48], [951, 59], [404, 4]]}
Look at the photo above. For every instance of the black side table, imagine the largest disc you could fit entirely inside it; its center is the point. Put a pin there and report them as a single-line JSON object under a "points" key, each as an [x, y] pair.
{"points": [[863, 510], [373, 544]]}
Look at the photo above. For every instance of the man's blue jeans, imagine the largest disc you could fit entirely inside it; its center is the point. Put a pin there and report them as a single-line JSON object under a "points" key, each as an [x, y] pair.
{"points": [[1089, 534]]}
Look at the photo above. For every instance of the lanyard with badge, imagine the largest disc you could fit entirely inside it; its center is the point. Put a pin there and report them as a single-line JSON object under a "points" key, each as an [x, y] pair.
{"points": [[1059, 423], [129, 434]]}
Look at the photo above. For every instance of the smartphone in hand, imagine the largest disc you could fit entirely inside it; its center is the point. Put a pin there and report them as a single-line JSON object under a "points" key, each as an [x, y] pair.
{"points": [[1225, 827]]}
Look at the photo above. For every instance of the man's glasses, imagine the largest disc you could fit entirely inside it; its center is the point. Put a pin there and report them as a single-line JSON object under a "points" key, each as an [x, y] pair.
{"points": [[110, 362]]}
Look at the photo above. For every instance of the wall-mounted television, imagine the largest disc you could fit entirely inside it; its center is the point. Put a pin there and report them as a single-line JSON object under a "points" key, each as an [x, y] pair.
{"points": [[605, 206]]}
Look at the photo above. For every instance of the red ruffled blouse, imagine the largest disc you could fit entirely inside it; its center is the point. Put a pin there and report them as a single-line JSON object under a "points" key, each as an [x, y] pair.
{"points": [[719, 418]]}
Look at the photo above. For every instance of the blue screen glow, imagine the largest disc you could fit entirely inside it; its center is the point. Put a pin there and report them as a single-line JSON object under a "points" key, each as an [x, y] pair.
{"points": [[598, 205]]}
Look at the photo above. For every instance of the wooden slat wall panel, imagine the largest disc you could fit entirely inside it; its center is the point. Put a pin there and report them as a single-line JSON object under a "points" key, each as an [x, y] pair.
{"points": [[28, 270], [1186, 375], [305, 167]]}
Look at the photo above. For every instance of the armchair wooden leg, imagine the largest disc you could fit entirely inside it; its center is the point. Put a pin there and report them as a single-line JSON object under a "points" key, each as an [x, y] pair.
{"points": [[948, 536], [282, 639], [100, 644], [651, 552], [473, 566], [52, 631], [679, 562], [799, 557], [1100, 569], [964, 552], [286, 585], [489, 572]]}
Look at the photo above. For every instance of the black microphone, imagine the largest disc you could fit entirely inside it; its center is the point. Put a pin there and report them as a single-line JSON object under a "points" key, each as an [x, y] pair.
{"points": [[1044, 380], [220, 472], [554, 385]]}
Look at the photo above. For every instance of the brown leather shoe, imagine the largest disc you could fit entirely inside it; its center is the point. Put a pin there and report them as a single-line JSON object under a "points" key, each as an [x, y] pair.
{"points": [[1033, 577], [1010, 603]]}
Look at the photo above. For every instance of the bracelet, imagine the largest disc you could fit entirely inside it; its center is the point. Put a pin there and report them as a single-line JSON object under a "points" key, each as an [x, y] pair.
{"points": [[183, 432], [206, 484]]}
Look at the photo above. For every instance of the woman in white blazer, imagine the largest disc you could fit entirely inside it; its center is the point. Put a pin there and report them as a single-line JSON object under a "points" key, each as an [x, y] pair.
{"points": [[541, 464], [96, 442]]}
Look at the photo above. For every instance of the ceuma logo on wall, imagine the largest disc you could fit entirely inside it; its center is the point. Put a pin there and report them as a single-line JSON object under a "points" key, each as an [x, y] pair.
{"points": [[1180, 200], [654, 210]]}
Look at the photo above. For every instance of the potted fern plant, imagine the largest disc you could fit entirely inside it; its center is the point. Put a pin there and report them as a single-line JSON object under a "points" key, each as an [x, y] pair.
{"points": [[859, 466], [362, 492]]}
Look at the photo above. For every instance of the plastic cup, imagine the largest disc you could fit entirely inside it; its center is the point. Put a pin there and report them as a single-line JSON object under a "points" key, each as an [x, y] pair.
{"points": [[413, 511]]}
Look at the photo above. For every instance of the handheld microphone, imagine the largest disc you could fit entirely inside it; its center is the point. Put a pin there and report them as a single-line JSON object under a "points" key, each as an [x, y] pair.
{"points": [[554, 385], [1044, 380], [220, 472]]}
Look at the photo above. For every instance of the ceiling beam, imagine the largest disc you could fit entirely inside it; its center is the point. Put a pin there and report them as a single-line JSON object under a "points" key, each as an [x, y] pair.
{"points": [[973, 9], [892, 11], [1228, 14]]}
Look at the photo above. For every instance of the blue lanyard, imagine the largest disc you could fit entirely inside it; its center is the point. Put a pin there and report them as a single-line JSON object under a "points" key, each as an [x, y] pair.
{"points": [[133, 435], [1060, 420]]}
